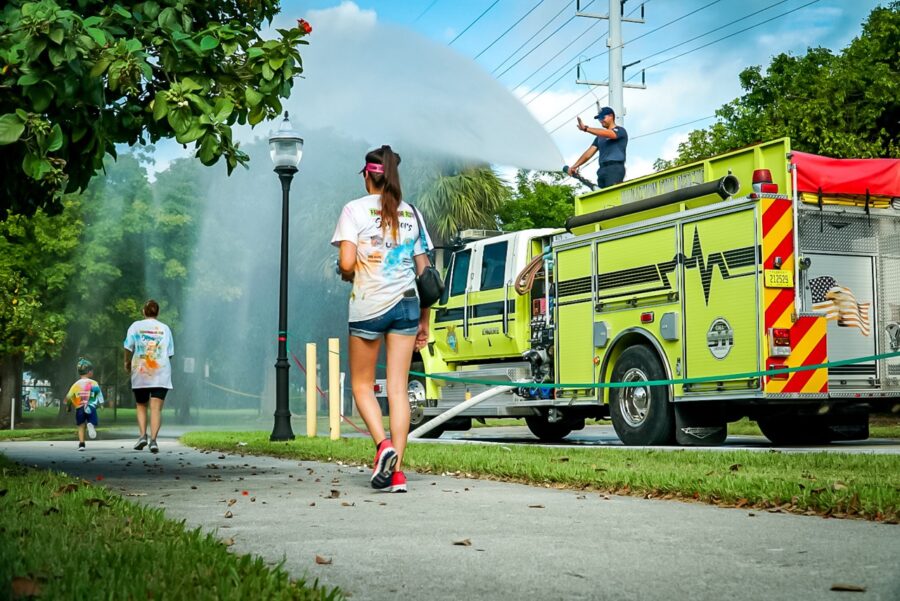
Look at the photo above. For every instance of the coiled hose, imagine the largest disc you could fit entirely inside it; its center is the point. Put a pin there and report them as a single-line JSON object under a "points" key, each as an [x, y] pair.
{"points": [[525, 279]]}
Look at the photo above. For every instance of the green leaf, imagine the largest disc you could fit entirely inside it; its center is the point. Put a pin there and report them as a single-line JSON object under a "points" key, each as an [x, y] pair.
{"points": [[276, 63], [255, 52], [98, 35], [223, 109], [267, 71], [207, 150], [22, 115], [121, 11], [168, 20], [151, 9], [41, 95], [100, 67], [91, 21], [188, 84], [160, 106], [133, 45], [179, 119], [208, 43], [11, 128], [57, 57], [29, 79], [193, 132], [253, 97], [34, 166], [56, 139], [256, 115], [57, 35]]}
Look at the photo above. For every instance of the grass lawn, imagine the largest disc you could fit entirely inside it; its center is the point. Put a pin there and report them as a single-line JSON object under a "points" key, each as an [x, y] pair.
{"points": [[833, 484], [61, 538]]}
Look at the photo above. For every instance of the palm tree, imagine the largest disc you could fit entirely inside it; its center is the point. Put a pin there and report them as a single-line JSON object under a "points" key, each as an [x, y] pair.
{"points": [[462, 198]]}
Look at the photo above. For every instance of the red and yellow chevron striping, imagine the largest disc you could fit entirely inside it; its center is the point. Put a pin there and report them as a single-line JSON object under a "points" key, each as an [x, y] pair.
{"points": [[808, 341]]}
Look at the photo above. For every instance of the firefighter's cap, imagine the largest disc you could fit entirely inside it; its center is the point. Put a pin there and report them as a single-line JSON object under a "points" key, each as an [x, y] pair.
{"points": [[606, 110]]}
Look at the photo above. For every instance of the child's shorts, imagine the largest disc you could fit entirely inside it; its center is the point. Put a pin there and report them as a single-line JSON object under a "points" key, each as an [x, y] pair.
{"points": [[402, 318], [81, 416]]}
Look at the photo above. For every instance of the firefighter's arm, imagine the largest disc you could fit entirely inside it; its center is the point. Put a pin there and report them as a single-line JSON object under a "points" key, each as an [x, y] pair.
{"points": [[347, 260], [597, 131], [587, 154]]}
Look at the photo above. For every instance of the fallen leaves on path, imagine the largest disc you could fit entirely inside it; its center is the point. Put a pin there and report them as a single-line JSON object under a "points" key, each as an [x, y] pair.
{"points": [[228, 514], [323, 561], [848, 588], [463, 543]]}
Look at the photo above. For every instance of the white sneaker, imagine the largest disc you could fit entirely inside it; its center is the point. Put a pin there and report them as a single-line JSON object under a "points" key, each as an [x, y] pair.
{"points": [[92, 432]]}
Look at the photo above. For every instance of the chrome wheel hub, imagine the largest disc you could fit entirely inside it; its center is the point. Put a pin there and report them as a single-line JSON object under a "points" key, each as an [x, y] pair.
{"points": [[634, 402]]}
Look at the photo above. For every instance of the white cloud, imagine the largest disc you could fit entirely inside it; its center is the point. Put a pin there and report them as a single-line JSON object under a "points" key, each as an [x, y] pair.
{"points": [[346, 16]]}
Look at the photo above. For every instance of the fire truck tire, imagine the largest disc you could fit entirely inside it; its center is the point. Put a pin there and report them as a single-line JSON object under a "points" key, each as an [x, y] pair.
{"points": [[546, 431], [794, 430], [641, 415]]}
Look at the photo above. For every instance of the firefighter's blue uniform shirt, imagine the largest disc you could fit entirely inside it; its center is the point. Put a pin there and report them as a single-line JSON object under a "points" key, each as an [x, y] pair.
{"points": [[612, 150]]}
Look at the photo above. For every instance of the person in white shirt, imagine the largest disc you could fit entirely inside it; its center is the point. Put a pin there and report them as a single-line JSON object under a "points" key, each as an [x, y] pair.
{"points": [[148, 348], [381, 251]]}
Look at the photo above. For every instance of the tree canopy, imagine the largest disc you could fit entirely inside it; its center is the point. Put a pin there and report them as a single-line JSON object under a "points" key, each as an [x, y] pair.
{"points": [[81, 76], [537, 203], [841, 105]]}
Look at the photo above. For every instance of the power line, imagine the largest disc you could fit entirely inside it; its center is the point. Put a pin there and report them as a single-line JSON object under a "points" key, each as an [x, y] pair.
{"points": [[725, 37], [541, 43], [558, 79], [695, 49], [594, 24], [478, 18], [428, 8], [659, 131], [525, 43], [498, 38]]}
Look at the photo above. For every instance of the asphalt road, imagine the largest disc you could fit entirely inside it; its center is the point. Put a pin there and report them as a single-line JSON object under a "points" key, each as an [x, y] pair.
{"points": [[515, 542]]}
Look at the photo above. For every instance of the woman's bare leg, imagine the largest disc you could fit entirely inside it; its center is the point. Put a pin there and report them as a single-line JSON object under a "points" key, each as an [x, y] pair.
{"points": [[399, 357], [363, 356]]}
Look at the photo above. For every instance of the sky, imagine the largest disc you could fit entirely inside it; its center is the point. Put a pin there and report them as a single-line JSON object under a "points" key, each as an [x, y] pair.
{"points": [[530, 48]]}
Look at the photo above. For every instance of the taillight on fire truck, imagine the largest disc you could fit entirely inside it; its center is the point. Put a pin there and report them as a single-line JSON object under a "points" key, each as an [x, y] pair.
{"points": [[779, 346], [779, 342], [762, 182]]}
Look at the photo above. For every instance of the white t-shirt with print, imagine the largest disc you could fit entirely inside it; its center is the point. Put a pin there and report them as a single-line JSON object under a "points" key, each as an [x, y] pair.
{"points": [[385, 268], [151, 344]]}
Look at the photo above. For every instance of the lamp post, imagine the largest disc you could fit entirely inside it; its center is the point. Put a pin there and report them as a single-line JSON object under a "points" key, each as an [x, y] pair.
{"points": [[286, 150]]}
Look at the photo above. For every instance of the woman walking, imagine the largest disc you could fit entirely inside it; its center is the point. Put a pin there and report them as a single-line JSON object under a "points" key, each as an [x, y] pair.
{"points": [[382, 249]]}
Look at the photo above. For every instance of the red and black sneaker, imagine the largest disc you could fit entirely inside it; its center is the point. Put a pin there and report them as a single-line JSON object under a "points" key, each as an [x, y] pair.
{"points": [[385, 461], [398, 482]]}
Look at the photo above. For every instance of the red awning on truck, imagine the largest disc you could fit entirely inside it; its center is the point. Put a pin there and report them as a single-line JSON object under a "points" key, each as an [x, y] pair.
{"points": [[881, 177]]}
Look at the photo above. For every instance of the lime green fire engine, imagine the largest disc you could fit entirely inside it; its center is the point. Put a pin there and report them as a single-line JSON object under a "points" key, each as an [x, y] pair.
{"points": [[722, 273]]}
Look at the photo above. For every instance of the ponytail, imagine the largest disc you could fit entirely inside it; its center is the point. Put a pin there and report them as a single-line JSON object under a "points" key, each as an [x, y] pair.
{"points": [[389, 184]]}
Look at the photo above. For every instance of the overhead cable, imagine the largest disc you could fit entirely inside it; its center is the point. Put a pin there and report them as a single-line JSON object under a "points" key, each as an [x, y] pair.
{"points": [[498, 38], [525, 43], [478, 18]]}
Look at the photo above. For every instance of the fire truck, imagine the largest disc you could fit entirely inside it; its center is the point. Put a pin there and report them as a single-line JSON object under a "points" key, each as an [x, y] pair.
{"points": [[716, 277]]}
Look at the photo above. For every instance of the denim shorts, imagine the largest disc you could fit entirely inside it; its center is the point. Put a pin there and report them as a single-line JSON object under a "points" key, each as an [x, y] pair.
{"points": [[402, 318], [81, 416]]}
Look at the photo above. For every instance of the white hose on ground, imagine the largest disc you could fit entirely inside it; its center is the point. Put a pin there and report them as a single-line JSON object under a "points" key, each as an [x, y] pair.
{"points": [[453, 412]]}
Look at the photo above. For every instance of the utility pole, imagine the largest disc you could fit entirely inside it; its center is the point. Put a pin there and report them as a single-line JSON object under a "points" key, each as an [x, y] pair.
{"points": [[616, 82]]}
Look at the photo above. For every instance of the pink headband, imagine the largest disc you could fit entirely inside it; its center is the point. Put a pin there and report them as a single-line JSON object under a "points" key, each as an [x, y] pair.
{"points": [[374, 168]]}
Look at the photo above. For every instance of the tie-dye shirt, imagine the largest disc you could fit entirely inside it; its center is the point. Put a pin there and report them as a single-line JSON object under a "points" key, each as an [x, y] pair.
{"points": [[151, 344], [85, 392], [385, 268]]}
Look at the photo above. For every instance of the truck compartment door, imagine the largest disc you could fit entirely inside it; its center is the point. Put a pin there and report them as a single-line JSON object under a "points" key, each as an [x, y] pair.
{"points": [[720, 266]]}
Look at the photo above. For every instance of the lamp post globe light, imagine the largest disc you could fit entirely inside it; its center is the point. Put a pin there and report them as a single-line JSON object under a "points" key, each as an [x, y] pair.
{"points": [[286, 150]]}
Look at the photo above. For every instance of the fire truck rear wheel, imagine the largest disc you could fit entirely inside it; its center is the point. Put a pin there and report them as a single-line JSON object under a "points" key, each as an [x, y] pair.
{"points": [[641, 415], [546, 431]]}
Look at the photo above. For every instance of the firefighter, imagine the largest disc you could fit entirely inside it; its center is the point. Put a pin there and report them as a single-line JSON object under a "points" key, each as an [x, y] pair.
{"points": [[610, 140]]}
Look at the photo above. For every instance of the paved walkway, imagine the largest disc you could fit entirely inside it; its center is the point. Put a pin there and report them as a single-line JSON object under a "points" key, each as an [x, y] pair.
{"points": [[521, 542]]}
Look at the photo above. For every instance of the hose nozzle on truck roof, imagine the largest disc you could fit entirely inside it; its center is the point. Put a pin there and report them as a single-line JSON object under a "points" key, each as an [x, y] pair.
{"points": [[579, 177], [724, 187]]}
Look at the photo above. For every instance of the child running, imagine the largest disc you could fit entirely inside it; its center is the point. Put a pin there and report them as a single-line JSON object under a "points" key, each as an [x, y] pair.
{"points": [[85, 395]]}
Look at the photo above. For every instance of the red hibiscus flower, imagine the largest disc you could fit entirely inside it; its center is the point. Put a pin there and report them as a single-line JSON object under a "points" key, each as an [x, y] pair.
{"points": [[304, 25]]}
